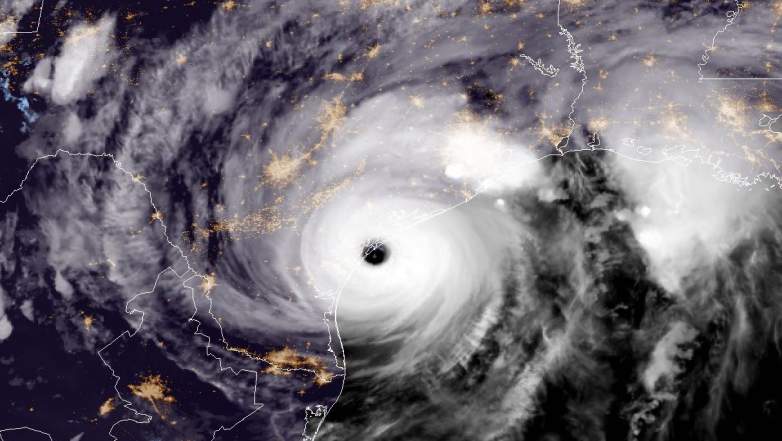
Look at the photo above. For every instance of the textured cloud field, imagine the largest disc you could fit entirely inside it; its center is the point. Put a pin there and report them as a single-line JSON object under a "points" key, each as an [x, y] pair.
{"points": [[490, 220]]}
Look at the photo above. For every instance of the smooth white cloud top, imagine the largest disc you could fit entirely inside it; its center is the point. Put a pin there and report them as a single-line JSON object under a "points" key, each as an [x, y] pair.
{"points": [[684, 218], [5, 325], [40, 81], [85, 54], [481, 157], [72, 128]]}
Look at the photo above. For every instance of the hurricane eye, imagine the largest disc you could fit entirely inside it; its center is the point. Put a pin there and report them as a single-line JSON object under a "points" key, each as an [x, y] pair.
{"points": [[375, 252]]}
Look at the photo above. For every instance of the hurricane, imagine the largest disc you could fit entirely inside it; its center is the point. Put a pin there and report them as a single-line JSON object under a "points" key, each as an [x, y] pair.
{"points": [[390, 220]]}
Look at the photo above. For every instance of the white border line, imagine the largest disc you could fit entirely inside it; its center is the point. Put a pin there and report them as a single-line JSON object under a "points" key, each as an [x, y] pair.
{"points": [[12, 429], [130, 311], [577, 64], [731, 17], [37, 27], [740, 79]]}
